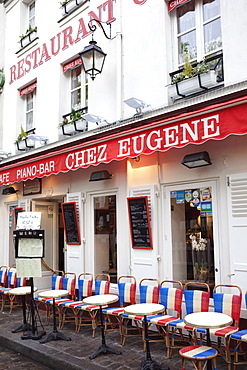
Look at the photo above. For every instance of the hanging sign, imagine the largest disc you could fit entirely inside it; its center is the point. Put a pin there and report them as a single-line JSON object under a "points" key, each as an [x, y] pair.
{"points": [[140, 229]]}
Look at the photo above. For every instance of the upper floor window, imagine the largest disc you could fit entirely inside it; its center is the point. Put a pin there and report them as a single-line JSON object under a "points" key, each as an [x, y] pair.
{"points": [[198, 29], [32, 15], [79, 89], [29, 111]]}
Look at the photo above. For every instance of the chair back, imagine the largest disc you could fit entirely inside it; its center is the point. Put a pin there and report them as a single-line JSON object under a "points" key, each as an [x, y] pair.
{"points": [[227, 303], [102, 286], [149, 292], [85, 285], [21, 281], [11, 279], [69, 280], [170, 297], [196, 300], [57, 280], [127, 289], [246, 299], [3, 276]]}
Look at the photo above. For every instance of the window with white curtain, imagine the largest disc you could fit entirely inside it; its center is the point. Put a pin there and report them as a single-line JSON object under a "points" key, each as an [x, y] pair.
{"points": [[31, 15], [197, 29], [29, 111], [78, 89]]}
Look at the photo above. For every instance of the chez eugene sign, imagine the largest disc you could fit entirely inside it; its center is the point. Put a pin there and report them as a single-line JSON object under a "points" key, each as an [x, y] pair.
{"points": [[64, 39], [158, 136]]}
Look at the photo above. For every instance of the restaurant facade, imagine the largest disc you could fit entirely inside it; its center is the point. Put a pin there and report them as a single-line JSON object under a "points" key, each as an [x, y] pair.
{"points": [[179, 149]]}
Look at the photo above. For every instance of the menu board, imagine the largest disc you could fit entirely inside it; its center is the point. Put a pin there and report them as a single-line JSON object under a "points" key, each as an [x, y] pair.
{"points": [[71, 224], [28, 267], [140, 228]]}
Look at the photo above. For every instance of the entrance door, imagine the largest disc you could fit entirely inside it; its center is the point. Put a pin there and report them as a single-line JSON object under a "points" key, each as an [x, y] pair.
{"points": [[49, 223], [192, 233]]}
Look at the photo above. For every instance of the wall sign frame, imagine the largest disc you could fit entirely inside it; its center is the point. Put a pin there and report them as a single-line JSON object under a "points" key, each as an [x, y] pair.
{"points": [[71, 223], [139, 220], [32, 187]]}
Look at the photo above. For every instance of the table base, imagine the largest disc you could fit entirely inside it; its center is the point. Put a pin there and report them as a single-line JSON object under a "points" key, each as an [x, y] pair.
{"points": [[152, 365], [104, 349], [23, 327], [55, 335], [31, 335]]}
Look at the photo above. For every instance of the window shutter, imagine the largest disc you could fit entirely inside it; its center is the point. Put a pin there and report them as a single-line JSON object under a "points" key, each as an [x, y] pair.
{"points": [[25, 204]]}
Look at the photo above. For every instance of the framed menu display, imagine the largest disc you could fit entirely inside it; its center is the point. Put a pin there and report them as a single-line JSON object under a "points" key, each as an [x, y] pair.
{"points": [[71, 224], [139, 219]]}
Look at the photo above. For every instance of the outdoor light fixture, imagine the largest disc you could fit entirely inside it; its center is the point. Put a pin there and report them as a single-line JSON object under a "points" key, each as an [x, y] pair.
{"points": [[138, 104], [9, 190], [41, 139], [92, 56], [196, 160], [100, 175], [93, 118]]}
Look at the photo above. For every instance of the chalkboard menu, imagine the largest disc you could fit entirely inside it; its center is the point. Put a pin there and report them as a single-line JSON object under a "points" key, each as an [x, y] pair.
{"points": [[70, 221], [139, 222]]}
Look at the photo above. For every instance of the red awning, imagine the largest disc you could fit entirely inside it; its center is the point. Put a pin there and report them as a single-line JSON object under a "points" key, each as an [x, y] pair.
{"points": [[214, 122], [28, 89], [72, 64], [174, 3]]}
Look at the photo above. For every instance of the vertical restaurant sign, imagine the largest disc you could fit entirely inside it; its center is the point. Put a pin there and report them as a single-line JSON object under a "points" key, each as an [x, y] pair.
{"points": [[173, 4], [139, 220]]}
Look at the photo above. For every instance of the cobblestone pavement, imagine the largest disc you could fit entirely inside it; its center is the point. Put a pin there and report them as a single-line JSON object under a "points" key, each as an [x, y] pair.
{"points": [[74, 354], [10, 359]]}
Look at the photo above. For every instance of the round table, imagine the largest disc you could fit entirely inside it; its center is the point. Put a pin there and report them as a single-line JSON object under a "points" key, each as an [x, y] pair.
{"points": [[145, 309], [22, 291], [54, 294], [102, 299], [208, 320]]}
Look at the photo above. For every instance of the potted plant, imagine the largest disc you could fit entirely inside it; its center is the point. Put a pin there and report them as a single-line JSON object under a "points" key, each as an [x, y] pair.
{"points": [[28, 36], [192, 79], [76, 123], [2, 80], [23, 142], [68, 5]]}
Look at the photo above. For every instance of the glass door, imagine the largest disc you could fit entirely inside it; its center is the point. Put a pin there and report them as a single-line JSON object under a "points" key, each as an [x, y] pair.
{"points": [[192, 233]]}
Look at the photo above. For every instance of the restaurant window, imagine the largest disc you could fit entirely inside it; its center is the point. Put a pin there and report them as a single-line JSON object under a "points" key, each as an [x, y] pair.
{"points": [[197, 26], [78, 89], [192, 235], [105, 236], [29, 111], [31, 15]]}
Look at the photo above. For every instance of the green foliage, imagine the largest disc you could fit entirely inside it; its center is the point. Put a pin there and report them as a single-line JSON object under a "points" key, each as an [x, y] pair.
{"points": [[28, 31], [21, 135]]}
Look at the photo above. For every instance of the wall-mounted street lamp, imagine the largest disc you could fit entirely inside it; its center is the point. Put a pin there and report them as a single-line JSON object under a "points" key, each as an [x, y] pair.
{"points": [[92, 56], [196, 160]]}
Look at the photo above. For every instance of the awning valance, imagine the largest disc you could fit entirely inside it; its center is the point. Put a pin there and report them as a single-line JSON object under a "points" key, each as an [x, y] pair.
{"points": [[214, 122], [174, 3], [28, 89], [72, 64]]}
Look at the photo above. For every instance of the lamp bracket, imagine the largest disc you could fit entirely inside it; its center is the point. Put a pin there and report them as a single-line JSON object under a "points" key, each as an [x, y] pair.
{"points": [[93, 28]]}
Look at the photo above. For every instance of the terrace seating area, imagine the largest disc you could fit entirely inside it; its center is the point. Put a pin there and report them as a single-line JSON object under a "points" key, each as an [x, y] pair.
{"points": [[168, 327]]}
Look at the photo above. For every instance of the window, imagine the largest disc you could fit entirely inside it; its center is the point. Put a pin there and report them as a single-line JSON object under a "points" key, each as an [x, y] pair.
{"points": [[32, 15], [198, 29], [79, 89], [29, 111]]}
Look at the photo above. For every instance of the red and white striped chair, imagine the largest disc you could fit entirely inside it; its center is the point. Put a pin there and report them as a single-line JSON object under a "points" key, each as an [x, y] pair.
{"points": [[171, 299], [127, 295], [238, 338], [3, 277], [149, 290], [44, 304], [67, 309], [229, 304], [195, 301], [88, 313]]}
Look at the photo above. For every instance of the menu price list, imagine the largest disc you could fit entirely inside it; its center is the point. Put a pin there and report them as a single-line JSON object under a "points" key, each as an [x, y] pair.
{"points": [[139, 222], [70, 221]]}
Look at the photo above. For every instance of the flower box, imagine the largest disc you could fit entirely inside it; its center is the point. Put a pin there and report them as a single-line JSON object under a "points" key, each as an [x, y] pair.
{"points": [[25, 144], [73, 128], [192, 85], [28, 38]]}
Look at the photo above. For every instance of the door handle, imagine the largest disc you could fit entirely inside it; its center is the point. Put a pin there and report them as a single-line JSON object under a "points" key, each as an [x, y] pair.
{"points": [[229, 275]]}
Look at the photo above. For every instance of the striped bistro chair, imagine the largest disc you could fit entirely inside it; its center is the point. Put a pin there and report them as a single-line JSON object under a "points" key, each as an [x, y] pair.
{"points": [[13, 282], [44, 304], [127, 295], [149, 293], [197, 354], [171, 299], [9, 281], [238, 338], [3, 277], [87, 314], [67, 309], [229, 304], [195, 301]]}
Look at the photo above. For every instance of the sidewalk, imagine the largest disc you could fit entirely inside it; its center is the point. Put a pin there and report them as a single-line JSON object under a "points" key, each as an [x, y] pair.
{"points": [[74, 354]]}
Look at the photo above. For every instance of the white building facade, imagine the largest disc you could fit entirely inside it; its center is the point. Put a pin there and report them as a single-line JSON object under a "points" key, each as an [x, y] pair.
{"points": [[142, 150]]}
